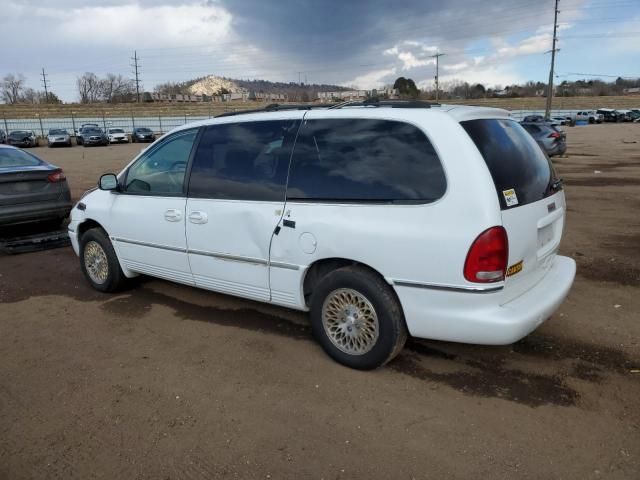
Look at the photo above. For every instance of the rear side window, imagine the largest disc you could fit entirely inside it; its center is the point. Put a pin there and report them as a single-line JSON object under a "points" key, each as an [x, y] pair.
{"points": [[243, 161], [514, 160], [357, 160]]}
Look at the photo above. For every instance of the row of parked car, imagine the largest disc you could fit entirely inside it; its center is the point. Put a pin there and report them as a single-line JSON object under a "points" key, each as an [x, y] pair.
{"points": [[591, 116], [88, 134]]}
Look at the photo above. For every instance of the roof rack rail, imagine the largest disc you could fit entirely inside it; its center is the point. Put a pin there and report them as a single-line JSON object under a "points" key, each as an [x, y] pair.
{"points": [[376, 102], [277, 107]]}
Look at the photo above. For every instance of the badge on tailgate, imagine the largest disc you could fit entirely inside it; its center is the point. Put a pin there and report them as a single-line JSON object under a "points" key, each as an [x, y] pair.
{"points": [[515, 268]]}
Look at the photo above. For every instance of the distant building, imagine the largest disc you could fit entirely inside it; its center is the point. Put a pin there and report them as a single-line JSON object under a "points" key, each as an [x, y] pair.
{"points": [[268, 97], [350, 95]]}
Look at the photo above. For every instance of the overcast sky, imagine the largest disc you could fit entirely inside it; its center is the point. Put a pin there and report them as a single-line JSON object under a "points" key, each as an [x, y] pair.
{"points": [[365, 44]]}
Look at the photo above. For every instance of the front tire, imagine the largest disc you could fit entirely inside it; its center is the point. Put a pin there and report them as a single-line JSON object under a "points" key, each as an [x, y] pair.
{"points": [[357, 319], [99, 262]]}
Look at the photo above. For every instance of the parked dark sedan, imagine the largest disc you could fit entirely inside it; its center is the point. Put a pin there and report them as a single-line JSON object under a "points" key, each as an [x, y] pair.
{"points": [[93, 136], [23, 138], [142, 134], [31, 190], [551, 140]]}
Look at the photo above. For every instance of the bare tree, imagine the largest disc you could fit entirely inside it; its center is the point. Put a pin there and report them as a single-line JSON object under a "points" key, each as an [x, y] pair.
{"points": [[88, 87], [11, 88], [116, 88]]}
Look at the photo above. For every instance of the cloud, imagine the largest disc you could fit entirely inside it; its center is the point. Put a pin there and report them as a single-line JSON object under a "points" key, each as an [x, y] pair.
{"points": [[410, 61], [374, 79], [455, 67], [134, 25]]}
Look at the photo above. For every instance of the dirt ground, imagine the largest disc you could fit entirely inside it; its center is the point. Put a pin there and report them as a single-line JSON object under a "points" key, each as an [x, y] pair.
{"points": [[169, 382]]}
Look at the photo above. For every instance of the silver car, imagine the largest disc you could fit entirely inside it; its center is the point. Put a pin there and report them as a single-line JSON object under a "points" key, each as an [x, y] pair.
{"points": [[58, 136]]}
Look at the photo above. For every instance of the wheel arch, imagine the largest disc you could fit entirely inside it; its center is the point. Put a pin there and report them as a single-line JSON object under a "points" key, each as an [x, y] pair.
{"points": [[322, 267], [88, 224]]}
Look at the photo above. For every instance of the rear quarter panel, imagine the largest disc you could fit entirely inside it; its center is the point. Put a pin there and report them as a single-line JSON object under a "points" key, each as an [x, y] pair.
{"points": [[417, 243]]}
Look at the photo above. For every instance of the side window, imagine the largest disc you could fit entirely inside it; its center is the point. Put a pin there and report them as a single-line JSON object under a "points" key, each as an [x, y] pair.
{"points": [[364, 160], [161, 170], [243, 161]]}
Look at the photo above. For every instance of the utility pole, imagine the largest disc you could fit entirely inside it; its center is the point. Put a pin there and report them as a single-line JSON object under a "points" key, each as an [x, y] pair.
{"points": [[46, 90], [547, 111], [437, 57], [136, 73]]}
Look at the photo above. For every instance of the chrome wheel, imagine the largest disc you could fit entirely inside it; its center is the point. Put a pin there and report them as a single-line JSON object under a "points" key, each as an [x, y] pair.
{"points": [[96, 263], [350, 321]]}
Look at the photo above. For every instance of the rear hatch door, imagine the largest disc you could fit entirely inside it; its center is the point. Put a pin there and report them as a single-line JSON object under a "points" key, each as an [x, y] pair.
{"points": [[530, 195]]}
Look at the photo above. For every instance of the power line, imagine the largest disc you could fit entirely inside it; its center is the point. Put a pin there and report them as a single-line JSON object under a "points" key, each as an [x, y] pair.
{"points": [[547, 111], [136, 73], [44, 83]]}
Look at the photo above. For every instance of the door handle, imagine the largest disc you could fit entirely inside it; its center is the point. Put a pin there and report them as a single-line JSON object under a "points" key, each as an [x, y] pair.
{"points": [[173, 215], [198, 217]]}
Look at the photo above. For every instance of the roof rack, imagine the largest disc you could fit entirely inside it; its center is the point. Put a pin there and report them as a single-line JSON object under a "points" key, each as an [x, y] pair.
{"points": [[277, 107], [369, 102], [376, 102]]}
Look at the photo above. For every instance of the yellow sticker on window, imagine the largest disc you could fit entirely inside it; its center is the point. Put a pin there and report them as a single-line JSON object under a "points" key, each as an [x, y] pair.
{"points": [[515, 268]]}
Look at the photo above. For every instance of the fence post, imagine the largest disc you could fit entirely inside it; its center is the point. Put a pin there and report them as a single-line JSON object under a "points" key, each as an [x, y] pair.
{"points": [[133, 121], [160, 122], [104, 123], [41, 127], [73, 123], [6, 126], [185, 118]]}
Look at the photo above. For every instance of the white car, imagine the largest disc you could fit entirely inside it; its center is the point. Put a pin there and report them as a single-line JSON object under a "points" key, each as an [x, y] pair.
{"points": [[117, 135], [590, 116], [382, 220]]}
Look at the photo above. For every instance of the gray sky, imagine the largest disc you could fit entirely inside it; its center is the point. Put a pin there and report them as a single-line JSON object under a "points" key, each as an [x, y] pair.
{"points": [[364, 44]]}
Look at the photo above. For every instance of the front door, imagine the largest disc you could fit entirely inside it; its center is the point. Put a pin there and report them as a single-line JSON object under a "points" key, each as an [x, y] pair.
{"points": [[148, 215], [236, 195]]}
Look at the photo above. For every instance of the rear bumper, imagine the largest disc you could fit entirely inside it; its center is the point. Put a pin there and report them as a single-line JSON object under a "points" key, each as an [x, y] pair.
{"points": [[479, 317], [34, 212]]}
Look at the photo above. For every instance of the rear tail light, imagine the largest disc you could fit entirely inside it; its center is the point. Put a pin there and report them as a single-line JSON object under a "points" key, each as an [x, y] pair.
{"points": [[57, 176], [555, 135], [487, 258]]}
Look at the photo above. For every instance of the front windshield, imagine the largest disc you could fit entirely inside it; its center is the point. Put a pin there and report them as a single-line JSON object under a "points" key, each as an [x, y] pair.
{"points": [[116, 130], [20, 132], [57, 131], [144, 130], [92, 130]]}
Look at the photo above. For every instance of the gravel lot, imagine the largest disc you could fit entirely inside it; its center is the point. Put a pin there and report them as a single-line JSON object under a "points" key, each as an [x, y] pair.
{"points": [[166, 381]]}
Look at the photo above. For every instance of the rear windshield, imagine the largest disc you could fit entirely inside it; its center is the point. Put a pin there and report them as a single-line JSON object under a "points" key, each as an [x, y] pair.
{"points": [[515, 161], [10, 157]]}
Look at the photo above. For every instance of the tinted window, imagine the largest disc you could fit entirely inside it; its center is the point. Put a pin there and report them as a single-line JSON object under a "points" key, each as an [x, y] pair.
{"points": [[514, 159], [10, 157], [161, 170], [532, 129], [364, 160], [243, 161]]}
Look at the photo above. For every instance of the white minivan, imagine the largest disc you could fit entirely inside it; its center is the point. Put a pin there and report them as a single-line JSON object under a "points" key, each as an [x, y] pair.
{"points": [[381, 219]]}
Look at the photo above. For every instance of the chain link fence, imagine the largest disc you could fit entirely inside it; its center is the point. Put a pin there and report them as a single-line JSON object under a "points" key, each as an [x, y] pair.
{"points": [[159, 124]]}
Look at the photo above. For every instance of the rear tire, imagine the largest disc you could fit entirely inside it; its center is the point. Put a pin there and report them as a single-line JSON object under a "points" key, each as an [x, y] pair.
{"points": [[99, 262], [357, 319]]}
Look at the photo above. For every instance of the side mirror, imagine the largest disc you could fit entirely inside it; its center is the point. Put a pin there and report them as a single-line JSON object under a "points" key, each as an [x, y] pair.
{"points": [[108, 181]]}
